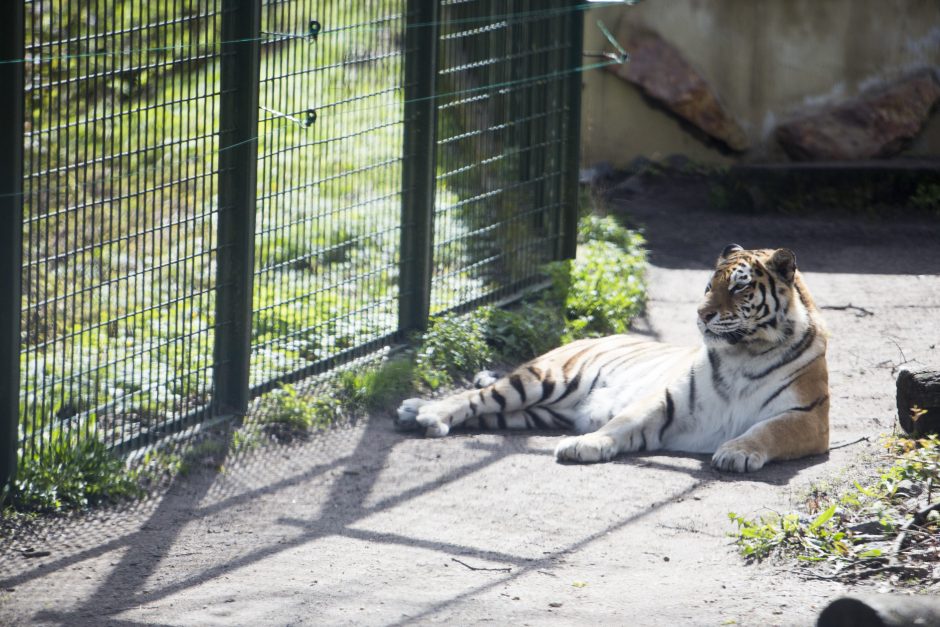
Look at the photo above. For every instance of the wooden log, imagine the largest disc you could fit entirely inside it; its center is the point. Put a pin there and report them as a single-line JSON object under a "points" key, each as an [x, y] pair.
{"points": [[919, 401], [880, 610]]}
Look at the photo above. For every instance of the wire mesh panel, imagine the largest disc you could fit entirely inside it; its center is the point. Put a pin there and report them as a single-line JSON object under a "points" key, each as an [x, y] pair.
{"points": [[329, 184], [399, 147], [120, 150], [502, 124]]}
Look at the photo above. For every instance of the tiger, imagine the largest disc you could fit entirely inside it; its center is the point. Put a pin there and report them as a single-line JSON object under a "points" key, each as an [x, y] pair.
{"points": [[755, 390]]}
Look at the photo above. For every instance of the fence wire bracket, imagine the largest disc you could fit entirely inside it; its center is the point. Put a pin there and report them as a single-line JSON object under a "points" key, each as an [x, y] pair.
{"points": [[314, 30], [621, 56]]}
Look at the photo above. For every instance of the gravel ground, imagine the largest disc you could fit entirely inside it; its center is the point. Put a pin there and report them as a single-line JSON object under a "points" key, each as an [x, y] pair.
{"points": [[363, 525]]}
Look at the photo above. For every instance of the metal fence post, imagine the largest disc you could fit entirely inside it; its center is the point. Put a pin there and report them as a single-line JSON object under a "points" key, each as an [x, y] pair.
{"points": [[12, 33], [418, 167], [572, 155], [237, 193]]}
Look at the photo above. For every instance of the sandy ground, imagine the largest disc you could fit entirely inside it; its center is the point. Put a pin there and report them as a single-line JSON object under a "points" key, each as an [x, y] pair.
{"points": [[366, 526]]}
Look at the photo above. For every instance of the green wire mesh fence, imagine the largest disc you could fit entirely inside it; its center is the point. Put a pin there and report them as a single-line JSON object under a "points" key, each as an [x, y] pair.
{"points": [[219, 196]]}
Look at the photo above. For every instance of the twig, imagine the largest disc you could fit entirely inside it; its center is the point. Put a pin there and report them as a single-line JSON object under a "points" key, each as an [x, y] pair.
{"points": [[919, 517], [864, 438], [862, 312], [502, 570]]}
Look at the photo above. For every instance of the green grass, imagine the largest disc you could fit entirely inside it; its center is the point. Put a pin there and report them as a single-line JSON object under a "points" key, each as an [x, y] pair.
{"points": [[71, 473]]}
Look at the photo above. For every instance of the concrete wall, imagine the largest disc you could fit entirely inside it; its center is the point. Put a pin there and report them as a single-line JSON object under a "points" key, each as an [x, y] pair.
{"points": [[768, 60]]}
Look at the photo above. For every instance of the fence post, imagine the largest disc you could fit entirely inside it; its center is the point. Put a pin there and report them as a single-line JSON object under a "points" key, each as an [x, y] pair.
{"points": [[418, 168], [12, 27], [568, 242], [237, 194]]}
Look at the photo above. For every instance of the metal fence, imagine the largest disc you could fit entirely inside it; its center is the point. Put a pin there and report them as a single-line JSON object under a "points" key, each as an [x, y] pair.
{"points": [[202, 199]]}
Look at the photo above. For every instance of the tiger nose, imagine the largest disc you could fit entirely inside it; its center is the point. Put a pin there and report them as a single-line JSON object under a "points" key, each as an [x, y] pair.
{"points": [[707, 315]]}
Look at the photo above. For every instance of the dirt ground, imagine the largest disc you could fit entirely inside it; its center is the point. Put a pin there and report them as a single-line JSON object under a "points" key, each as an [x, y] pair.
{"points": [[367, 526]]}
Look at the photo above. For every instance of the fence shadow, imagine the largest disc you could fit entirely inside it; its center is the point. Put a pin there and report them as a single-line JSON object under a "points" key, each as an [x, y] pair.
{"points": [[149, 543]]}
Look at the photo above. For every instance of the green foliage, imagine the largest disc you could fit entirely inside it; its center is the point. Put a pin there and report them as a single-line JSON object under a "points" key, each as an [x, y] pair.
{"points": [[812, 540], [372, 388], [72, 471], [452, 346], [881, 506], [597, 294], [603, 289], [927, 197], [516, 335], [287, 408]]}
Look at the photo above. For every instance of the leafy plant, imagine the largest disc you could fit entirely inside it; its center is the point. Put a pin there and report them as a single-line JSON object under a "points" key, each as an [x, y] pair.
{"points": [[287, 408], [927, 197], [452, 346], [71, 471], [852, 527], [371, 388]]}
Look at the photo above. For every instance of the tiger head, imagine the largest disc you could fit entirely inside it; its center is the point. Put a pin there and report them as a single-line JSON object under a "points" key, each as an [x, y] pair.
{"points": [[750, 296]]}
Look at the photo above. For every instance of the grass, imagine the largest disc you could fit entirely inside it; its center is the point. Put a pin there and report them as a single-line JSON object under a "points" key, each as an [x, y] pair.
{"points": [[886, 524], [71, 472]]}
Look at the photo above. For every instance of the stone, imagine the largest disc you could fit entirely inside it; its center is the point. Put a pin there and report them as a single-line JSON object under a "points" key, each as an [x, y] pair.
{"points": [[663, 74], [877, 124]]}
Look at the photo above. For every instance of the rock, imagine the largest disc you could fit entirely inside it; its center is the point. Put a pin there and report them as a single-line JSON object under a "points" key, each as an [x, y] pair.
{"points": [[879, 123], [918, 396], [660, 71]]}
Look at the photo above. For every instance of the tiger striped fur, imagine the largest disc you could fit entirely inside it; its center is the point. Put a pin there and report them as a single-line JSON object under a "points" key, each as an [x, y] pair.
{"points": [[756, 390]]}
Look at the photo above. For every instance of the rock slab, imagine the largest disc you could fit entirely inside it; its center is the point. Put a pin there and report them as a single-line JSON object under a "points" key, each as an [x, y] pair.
{"points": [[663, 74], [877, 124]]}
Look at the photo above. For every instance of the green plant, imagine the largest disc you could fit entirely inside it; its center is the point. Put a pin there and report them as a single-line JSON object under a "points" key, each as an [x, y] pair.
{"points": [[602, 289], [71, 471], [519, 334], [852, 526], [452, 346], [382, 386], [813, 540], [927, 197], [286, 408]]}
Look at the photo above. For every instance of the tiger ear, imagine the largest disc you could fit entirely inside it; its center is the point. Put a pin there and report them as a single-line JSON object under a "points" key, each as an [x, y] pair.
{"points": [[730, 248], [783, 262]]}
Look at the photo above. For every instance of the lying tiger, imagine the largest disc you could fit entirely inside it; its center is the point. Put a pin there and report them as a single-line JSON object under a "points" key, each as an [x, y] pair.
{"points": [[756, 390]]}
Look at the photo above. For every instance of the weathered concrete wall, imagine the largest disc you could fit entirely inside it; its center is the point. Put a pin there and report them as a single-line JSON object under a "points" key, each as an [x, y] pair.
{"points": [[768, 60]]}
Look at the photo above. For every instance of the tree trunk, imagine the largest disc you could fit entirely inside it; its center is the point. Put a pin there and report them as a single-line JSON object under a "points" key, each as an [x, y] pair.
{"points": [[919, 401]]}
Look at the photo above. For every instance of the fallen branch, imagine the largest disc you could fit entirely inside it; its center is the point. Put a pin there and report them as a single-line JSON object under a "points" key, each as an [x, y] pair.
{"points": [[864, 438], [920, 517], [502, 570], [862, 312]]}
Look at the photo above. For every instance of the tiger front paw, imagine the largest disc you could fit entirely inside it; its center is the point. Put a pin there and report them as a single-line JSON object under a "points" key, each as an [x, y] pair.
{"points": [[738, 457], [406, 418], [588, 448]]}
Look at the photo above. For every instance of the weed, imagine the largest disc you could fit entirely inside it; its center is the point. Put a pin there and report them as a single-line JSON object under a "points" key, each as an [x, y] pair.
{"points": [[860, 528], [285, 408], [516, 335], [603, 289], [371, 388], [927, 197], [70, 472], [452, 346]]}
